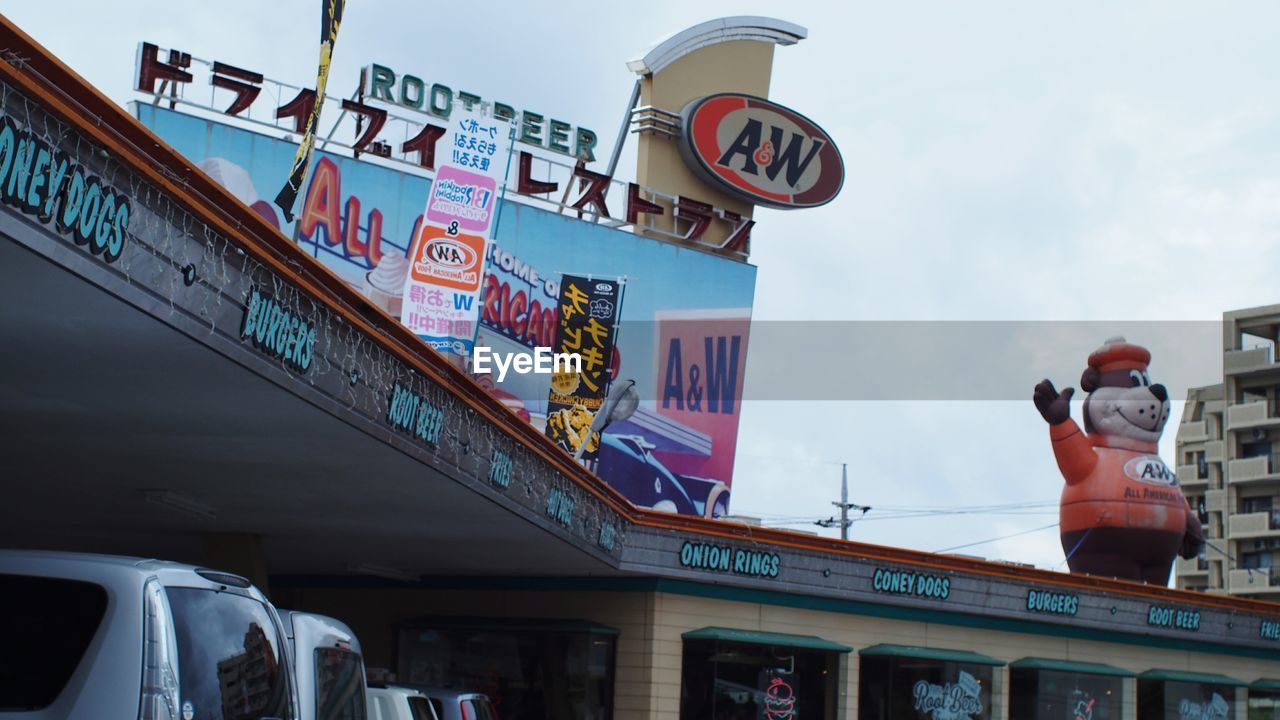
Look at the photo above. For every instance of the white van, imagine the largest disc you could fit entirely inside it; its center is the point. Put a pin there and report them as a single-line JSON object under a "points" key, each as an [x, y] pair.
{"points": [[95, 636], [328, 667], [395, 702]]}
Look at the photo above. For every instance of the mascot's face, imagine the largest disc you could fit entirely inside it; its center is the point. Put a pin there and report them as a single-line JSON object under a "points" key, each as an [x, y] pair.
{"points": [[1124, 403]]}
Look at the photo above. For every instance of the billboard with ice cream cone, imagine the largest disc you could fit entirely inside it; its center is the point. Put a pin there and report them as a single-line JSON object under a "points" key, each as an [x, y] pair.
{"points": [[682, 333]]}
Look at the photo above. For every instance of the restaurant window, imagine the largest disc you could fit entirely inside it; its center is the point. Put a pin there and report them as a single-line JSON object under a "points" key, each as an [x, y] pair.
{"points": [[1165, 699], [1264, 703], [913, 685], [1054, 694], [530, 669], [723, 679]]}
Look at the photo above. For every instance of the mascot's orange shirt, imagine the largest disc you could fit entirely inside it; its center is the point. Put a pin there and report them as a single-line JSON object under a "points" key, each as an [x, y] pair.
{"points": [[1115, 481]]}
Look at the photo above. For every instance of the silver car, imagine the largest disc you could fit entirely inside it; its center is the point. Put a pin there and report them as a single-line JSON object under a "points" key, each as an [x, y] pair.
{"points": [[328, 666], [452, 704], [393, 702], [97, 636]]}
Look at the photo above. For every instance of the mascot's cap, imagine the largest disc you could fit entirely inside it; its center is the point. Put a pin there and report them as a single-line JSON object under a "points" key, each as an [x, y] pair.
{"points": [[1117, 354]]}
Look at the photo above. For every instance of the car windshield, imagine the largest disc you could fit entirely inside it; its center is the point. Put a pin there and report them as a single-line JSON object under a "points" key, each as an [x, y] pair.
{"points": [[339, 685], [478, 708], [47, 625], [422, 709], [229, 660]]}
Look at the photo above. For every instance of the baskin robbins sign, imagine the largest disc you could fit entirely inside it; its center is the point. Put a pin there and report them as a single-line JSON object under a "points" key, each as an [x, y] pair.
{"points": [[760, 151]]}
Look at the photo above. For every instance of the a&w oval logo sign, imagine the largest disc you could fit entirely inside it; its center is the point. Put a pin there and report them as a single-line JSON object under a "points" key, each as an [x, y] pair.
{"points": [[760, 151], [449, 253]]}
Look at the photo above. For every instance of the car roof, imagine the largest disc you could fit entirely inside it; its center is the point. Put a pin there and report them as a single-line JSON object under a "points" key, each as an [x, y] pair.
{"points": [[451, 693], [382, 687], [63, 556], [57, 563]]}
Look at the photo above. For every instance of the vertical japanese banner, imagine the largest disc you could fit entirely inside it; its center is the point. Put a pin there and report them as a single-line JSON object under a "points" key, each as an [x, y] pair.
{"points": [[330, 18], [588, 310], [446, 260]]}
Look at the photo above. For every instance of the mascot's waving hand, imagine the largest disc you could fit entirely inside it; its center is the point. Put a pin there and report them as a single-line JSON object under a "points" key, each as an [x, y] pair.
{"points": [[1123, 514]]}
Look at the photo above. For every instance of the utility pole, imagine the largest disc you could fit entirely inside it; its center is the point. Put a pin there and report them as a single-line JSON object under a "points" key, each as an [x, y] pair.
{"points": [[844, 501], [844, 506]]}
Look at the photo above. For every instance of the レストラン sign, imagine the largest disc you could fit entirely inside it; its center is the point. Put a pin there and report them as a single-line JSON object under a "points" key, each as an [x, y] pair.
{"points": [[760, 151]]}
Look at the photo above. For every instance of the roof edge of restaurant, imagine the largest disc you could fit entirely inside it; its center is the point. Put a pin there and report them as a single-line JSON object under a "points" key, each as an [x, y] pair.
{"points": [[37, 71]]}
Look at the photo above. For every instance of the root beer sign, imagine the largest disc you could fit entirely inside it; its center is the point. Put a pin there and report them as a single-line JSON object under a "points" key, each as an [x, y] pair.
{"points": [[760, 151]]}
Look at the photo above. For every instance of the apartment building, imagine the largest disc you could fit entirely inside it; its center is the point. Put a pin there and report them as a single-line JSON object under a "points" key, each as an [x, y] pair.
{"points": [[1227, 463]]}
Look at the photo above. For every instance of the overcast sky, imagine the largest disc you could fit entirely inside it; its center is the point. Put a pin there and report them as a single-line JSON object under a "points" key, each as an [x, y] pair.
{"points": [[1005, 161]]}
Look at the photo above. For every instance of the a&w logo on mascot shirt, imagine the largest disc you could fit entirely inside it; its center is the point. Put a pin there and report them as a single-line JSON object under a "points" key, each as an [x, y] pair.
{"points": [[1150, 469]]}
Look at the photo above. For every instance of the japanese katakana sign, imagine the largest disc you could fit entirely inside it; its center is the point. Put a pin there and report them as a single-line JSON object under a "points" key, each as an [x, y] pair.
{"points": [[446, 261], [587, 326]]}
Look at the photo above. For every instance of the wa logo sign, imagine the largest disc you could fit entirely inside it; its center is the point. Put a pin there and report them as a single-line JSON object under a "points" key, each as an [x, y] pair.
{"points": [[448, 252], [760, 151], [453, 261]]}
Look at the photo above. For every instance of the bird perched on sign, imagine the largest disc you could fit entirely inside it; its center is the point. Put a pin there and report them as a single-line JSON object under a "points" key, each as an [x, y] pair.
{"points": [[1122, 512]]}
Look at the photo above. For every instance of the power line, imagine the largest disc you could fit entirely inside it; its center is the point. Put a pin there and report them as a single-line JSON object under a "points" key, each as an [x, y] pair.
{"points": [[797, 520], [897, 510], [908, 516], [791, 460], [1002, 537], [1027, 503]]}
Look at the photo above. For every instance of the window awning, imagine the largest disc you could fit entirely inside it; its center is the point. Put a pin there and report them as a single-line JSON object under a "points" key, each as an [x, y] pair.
{"points": [[1033, 663], [960, 656], [759, 637], [1266, 684], [1190, 677]]}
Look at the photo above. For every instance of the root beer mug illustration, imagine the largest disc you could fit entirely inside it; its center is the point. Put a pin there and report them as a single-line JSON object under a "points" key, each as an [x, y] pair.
{"points": [[1122, 512]]}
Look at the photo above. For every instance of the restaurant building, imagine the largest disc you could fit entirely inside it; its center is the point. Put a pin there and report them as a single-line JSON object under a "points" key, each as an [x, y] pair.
{"points": [[349, 470]]}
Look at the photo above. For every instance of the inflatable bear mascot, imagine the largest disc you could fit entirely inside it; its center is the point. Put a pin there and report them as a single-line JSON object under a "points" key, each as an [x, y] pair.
{"points": [[1122, 514]]}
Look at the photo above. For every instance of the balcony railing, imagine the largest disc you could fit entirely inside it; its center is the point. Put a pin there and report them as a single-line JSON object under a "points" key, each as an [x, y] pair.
{"points": [[1254, 524], [1251, 414], [1262, 467], [1257, 580], [1236, 362], [1195, 431], [1190, 475]]}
